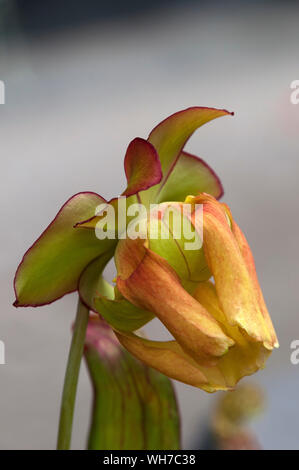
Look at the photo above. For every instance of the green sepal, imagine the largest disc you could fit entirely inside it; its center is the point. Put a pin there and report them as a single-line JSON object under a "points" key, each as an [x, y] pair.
{"points": [[169, 138], [190, 175], [53, 265]]}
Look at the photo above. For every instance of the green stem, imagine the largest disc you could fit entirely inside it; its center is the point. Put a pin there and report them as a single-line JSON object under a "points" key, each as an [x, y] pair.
{"points": [[71, 378]]}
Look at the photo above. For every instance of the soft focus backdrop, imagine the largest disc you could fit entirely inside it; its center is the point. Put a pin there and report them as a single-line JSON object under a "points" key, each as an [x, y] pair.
{"points": [[75, 97]]}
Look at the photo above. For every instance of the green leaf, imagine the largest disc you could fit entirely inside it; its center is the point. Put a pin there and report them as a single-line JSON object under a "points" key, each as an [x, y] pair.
{"points": [[53, 265], [134, 407]]}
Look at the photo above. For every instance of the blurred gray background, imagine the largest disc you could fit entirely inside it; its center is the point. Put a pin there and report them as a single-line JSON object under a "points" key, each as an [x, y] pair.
{"points": [[75, 97]]}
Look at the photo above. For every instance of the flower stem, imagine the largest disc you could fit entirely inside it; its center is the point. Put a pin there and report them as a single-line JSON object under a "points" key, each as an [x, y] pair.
{"points": [[71, 378]]}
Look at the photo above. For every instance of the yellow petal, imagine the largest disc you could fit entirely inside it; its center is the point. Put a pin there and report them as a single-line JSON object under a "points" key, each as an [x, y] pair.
{"points": [[170, 359], [246, 356], [248, 258], [234, 286]]}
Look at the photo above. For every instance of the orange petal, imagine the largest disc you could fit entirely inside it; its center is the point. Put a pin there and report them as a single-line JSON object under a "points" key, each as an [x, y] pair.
{"points": [[170, 359], [234, 286], [249, 261], [148, 281]]}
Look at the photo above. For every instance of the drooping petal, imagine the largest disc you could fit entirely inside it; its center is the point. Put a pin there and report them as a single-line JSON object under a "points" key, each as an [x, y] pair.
{"points": [[165, 356], [246, 356], [54, 263], [142, 167], [148, 281], [234, 286], [190, 175], [249, 261], [170, 359], [170, 136]]}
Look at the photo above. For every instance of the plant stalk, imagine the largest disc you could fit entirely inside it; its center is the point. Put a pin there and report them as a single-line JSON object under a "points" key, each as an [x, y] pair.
{"points": [[71, 378]]}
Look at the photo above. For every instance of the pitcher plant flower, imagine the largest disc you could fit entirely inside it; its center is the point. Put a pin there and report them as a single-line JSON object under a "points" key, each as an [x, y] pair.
{"points": [[208, 298], [222, 330]]}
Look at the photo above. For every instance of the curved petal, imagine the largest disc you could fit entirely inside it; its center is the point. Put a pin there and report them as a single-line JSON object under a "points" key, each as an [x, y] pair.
{"points": [[165, 356], [248, 258], [190, 175], [142, 166], [170, 359], [234, 286], [52, 266], [153, 285], [170, 136]]}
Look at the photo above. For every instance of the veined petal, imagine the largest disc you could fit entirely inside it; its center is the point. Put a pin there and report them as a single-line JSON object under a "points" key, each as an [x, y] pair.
{"points": [[54, 263], [170, 136], [249, 261], [149, 282], [234, 286], [165, 356], [170, 359]]}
